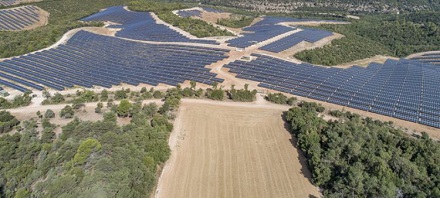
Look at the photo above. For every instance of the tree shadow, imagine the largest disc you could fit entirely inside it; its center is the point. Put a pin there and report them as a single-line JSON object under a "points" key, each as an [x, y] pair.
{"points": [[301, 156]]}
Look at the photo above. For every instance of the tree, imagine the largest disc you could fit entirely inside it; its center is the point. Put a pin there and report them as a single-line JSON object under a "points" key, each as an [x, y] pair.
{"points": [[46, 94], [57, 98], [77, 104], [67, 112], [121, 94], [99, 107], [104, 95], [49, 114], [124, 108], [157, 94], [193, 84], [39, 114]]}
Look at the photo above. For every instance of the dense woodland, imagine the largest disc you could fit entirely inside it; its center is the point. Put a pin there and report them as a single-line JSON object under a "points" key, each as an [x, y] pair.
{"points": [[394, 35], [362, 157], [88, 159]]}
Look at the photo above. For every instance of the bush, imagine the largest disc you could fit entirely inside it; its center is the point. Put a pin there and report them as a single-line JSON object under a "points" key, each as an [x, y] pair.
{"points": [[7, 122], [49, 114], [67, 112], [124, 108]]}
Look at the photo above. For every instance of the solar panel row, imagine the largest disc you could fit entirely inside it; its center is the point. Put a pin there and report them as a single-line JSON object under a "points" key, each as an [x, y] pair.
{"points": [[403, 89], [308, 34], [89, 59], [7, 2], [189, 13], [433, 58], [269, 27], [141, 26], [18, 18]]}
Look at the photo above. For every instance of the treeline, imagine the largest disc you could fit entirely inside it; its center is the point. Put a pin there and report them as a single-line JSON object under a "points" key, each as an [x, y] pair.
{"points": [[216, 93], [394, 35], [195, 27], [279, 98], [236, 21], [362, 157], [88, 159]]}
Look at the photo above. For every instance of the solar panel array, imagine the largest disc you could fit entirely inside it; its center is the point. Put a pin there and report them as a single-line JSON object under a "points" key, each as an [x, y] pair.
{"points": [[308, 34], [269, 27], [403, 89], [433, 58], [89, 59], [257, 34], [141, 26], [189, 13], [212, 10], [7, 2], [18, 18]]}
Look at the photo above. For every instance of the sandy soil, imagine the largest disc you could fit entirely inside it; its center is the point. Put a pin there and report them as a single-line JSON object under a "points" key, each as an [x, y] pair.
{"points": [[421, 54], [226, 151], [365, 62]]}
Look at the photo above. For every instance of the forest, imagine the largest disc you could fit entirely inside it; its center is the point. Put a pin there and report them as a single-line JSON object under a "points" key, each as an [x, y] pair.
{"points": [[88, 159], [392, 35], [361, 157]]}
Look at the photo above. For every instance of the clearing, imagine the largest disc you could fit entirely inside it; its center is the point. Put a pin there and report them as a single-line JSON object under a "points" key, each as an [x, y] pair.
{"points": [[223, 150]]}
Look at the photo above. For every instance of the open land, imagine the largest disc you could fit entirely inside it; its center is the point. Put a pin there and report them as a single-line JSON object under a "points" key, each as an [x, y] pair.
{"points": [[227, 151]]}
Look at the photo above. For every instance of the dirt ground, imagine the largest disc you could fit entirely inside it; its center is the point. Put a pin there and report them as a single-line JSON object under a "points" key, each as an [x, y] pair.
{"points": [[365, 62], [227, 151]]}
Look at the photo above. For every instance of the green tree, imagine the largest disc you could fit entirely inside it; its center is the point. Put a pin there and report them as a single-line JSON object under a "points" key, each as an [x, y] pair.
{"points": [[49, 114], [67, 112], [124, 108]]}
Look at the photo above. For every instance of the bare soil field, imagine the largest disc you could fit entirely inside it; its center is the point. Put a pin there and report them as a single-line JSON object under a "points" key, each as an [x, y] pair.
{"points": [[229, 151]]}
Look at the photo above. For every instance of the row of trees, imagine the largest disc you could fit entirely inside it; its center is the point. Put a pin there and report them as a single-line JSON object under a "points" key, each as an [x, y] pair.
{"points": [[279, 98], [362, 157]]}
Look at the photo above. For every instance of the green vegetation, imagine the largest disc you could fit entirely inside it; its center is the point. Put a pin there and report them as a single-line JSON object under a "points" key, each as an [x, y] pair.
{"points": [[67, 112], [394, 35], [361, 157], [236, 21], [195, 27], [7, 122], [279, 98], [89, 159], [242, 95], [18, 101]]}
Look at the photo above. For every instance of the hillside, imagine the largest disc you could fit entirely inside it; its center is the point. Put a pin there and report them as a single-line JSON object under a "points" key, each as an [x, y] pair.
{"points": [[381, 6]]}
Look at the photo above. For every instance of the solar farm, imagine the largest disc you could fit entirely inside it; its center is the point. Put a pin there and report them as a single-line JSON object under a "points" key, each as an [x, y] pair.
{"points": [[7, 2], [147, 51], [19, 18], [403, 89], [141, 26], [433, 58]]}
